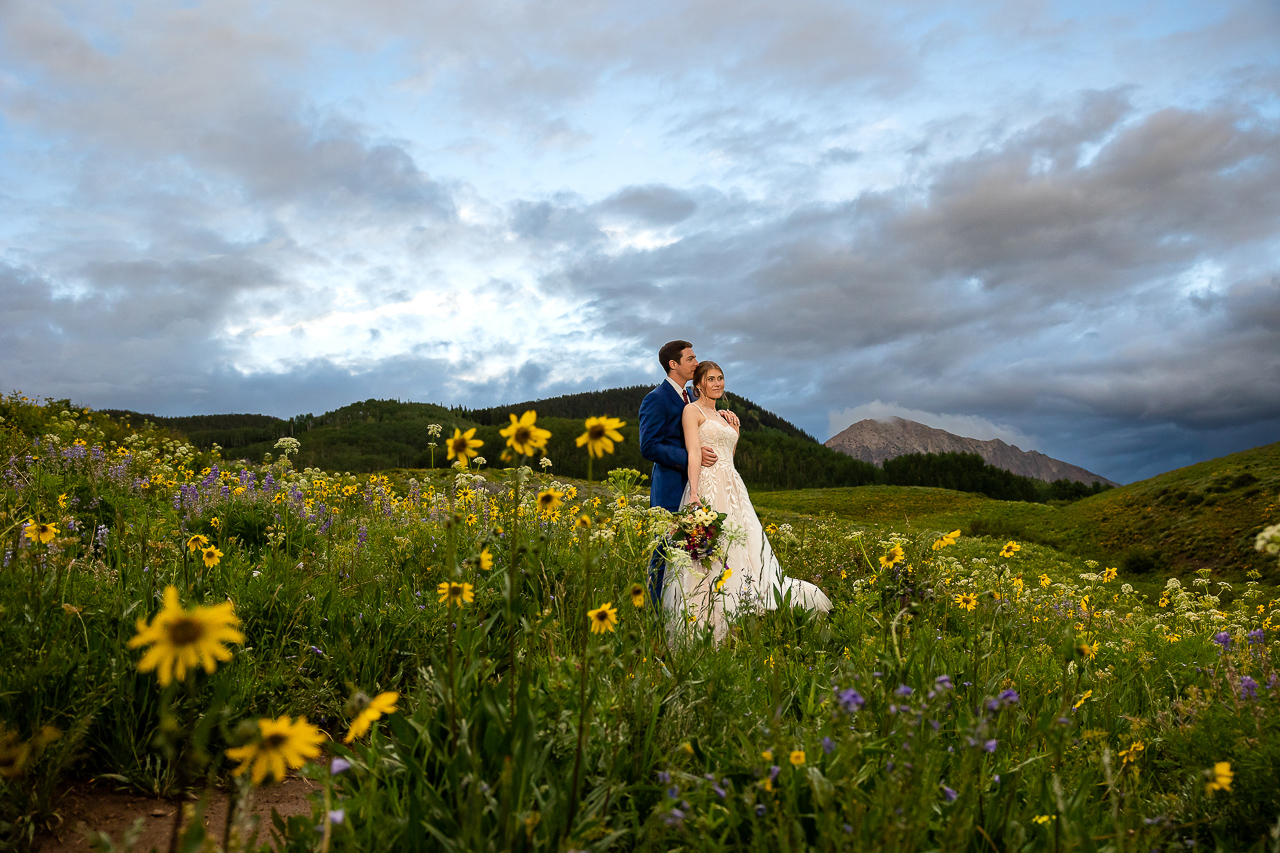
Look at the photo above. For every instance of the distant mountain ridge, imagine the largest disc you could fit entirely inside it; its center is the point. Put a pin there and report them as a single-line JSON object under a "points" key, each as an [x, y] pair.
{"points": [[875, 441]]}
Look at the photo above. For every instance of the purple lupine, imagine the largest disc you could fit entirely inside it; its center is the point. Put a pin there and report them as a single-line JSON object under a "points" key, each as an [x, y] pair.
{"points": [[675, 817], [1222, 638], [1009, 697], [828, 745], [990, 746], [1248, 688], [1257, 635], [850, 700], [944, 682], [950, 794], [903, 690]]}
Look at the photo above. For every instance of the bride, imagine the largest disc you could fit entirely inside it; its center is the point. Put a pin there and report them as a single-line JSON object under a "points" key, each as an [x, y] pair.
{"points": [[696, 595]]}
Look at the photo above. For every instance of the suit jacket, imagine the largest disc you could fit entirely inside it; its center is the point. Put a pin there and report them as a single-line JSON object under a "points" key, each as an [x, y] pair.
{"points": [[662, 443]]}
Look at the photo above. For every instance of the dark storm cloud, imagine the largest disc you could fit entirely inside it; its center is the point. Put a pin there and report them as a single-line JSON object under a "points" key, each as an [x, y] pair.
{"points": [[1045, 276], [186, 87], [1104, 279]]}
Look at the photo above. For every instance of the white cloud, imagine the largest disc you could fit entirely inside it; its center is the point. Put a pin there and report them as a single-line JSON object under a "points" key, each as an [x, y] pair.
{"points": [[968, 426]]}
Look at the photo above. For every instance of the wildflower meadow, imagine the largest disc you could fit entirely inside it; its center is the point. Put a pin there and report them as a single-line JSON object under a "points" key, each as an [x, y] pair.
{"points": [[468, 659]]}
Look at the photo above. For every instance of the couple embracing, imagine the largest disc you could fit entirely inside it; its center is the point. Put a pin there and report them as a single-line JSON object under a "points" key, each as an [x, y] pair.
{"points": [[691, 444]]}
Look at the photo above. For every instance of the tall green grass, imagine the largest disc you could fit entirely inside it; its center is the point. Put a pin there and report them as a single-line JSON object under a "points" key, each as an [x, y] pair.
{"points": [[903, 720]]}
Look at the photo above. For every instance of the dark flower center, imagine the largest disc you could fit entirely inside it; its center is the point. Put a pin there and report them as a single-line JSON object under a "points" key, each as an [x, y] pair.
{"points": [[185, 631], [275, 740], [596, 432]]}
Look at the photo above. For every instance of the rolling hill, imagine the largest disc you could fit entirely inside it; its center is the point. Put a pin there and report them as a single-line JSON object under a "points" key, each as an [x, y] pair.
{"points": [[1203, 515]]}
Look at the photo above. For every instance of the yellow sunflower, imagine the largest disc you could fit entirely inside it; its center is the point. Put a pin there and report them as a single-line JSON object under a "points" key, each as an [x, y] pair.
{"points": [[383, 703], [197, 543], [603, 618], [967, 601], [211, 556], [550, 499], [946, 539], [281, 743], [1009, 549], [524, 436], [486, 560], [724, 577], [182, 639], [600, 435], [892, 558], [637, 595], [463, 444], [452, 592], [38, 531]]}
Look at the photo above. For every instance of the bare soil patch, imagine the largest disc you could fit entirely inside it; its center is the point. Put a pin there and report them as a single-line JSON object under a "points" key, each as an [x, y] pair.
{"points": [[102, 807]]}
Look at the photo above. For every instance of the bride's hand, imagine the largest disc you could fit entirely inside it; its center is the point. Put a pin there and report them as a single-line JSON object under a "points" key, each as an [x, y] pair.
{"points": [[730, 418]]}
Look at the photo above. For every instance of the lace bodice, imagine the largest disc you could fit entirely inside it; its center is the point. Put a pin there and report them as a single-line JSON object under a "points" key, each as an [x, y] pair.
{"points": [[720, 437]]}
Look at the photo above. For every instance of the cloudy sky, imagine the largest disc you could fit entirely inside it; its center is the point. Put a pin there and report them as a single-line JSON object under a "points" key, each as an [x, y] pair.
{"points": [[1055, 223]]}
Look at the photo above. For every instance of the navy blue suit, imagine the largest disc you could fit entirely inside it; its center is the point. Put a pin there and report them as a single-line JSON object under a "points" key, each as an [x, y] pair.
{"points": [[662, 443]]}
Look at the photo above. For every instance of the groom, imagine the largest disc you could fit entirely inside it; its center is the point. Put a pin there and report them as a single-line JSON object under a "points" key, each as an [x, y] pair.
{"points": [[662, 443]]}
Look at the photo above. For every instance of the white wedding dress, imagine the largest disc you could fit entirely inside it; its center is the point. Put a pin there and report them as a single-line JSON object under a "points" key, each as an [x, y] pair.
{"points": [[690, 599]]}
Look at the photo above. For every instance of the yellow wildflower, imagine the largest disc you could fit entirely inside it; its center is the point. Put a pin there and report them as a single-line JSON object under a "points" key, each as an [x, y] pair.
{"points": [[281, 743], [797, 757], [1219, 777], [967, 601], [946, 539], [603, 618], [600, 435], [181, 639], [892, 558], [383, 703], [523, 435], [452, 592], [40, 532], [463, 444]]}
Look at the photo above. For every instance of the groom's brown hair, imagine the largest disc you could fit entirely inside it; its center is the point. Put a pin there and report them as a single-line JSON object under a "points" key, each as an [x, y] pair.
{"points": [[671, 352]]}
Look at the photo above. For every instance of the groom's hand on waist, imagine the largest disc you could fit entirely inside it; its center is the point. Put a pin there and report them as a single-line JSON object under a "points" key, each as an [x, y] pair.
{"points": [[708, 457]]}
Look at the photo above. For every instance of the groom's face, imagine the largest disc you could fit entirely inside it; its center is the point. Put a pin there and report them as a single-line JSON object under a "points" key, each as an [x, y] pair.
{"points": [[683, 371]]}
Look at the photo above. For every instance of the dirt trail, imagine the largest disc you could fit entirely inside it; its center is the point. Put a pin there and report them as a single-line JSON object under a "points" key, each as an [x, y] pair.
{"points": [[100, 807]]}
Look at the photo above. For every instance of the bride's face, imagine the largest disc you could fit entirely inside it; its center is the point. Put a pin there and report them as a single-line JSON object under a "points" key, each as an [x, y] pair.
{"points": [[712, 385]]}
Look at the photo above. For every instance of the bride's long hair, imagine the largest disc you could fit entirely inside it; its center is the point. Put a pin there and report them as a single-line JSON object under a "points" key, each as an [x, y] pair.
{"points": [[700, 373]]}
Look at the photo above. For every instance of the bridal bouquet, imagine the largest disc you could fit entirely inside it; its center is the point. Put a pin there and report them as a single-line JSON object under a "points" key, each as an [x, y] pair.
{"points": [[696, 531]]}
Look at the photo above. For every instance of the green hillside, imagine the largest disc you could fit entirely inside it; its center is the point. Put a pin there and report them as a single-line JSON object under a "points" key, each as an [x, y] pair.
{"points": [[377, 435], [1203, 515], [625, 403]]}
